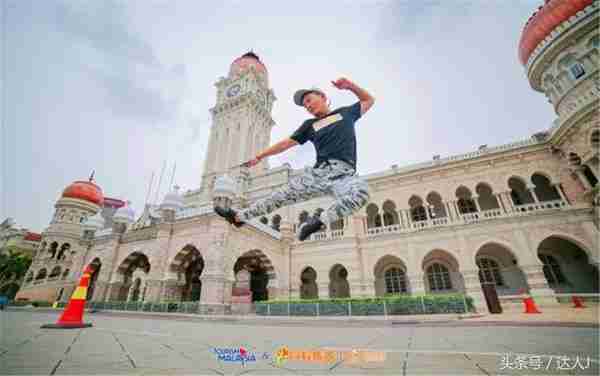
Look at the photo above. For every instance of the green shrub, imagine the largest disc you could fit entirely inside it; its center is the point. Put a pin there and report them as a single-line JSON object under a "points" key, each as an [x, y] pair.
{"points": [[392, 304]]}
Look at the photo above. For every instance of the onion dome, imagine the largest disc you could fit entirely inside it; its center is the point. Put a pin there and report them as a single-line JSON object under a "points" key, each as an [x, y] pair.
{"points": [[32, 237], [84, 190], [544, 21], [124, 214], [244, 62], [172, 200], [93, 223]]}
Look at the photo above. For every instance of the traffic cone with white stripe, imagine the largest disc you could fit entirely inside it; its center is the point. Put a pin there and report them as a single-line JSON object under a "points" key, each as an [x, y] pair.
{"points": [[72, 316]]}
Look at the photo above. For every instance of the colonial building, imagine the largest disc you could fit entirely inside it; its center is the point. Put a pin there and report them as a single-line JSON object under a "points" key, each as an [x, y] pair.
{"points": [[510, 218]]}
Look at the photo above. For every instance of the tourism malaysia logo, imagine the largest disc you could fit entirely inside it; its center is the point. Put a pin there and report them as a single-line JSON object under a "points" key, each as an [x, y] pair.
{"points": [[239, 355]]}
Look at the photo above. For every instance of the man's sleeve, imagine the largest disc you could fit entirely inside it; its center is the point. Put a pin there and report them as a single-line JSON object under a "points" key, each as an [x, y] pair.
{"points": [[354, 111], [302, 134]]}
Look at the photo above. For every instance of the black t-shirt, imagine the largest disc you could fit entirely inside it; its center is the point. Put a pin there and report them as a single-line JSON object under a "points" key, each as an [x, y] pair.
{"points": [[332, 135]]}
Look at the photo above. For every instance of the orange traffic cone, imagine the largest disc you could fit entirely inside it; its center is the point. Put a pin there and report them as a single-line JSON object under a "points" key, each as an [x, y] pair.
{"points": [[578, 303], [530, 306], [72, 316]]}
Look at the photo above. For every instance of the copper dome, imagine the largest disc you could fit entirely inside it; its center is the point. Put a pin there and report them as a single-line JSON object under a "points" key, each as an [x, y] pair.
{"points": [[84, 190], [544, 21]]}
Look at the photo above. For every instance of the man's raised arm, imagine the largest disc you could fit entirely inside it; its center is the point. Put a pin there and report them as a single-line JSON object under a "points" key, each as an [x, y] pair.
{"points": [[366, 100]]}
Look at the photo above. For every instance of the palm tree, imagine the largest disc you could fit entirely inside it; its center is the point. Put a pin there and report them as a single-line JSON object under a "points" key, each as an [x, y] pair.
{"points": [[13, 266]]}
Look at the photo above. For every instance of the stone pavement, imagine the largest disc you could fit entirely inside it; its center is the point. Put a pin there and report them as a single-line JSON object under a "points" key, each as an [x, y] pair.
{"points": [[162, 345]]}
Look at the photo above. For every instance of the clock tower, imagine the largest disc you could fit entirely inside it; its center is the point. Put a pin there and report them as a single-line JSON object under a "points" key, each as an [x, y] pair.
{"points": [[241, 120]]}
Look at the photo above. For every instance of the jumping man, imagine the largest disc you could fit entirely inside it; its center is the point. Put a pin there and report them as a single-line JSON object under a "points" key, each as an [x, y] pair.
{"points": [[332, 133]]}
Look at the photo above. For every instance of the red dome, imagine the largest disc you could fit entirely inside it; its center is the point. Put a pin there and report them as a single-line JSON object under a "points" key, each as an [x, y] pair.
{"points": [[84, 190], [33, 237], [544, 21], [244, 62]]}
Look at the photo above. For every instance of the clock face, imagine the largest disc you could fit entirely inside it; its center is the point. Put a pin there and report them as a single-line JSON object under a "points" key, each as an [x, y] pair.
{"points": [[233, 90]]}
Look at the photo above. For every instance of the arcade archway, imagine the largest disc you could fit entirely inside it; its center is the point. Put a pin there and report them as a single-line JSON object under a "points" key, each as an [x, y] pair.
{"points": [[189, 264], [566, 266], [96, 264], [309, 288], [261, 271], [338, 282], [136, 263]]}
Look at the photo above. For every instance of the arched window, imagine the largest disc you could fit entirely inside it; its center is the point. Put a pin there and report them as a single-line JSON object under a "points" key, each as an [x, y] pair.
{"points": [[489, 271], [417, 210], [543, 190], [276, 222], [41, 275], [435, 205], [390, 216], [52, 249], [487, 200], [395, 281], [552, 270], [518, 192], [465, 203], [373, 216], [29, 277], [264, 220], [63, 250], [55, 272], [65, 274], [439, 277]]}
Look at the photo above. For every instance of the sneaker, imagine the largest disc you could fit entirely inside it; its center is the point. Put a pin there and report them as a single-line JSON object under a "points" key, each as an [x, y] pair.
{"points": [[229, 215], [311, 226]]}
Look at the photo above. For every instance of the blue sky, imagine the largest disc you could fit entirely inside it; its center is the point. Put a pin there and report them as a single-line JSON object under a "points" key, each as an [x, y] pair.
{"points": [[120, 86]]}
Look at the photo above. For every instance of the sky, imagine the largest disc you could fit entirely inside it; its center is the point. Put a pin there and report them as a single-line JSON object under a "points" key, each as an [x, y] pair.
{"points": [[120, 87]]}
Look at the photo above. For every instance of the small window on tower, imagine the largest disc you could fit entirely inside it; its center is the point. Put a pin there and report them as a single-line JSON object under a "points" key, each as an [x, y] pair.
{"points": [[577, 70]]}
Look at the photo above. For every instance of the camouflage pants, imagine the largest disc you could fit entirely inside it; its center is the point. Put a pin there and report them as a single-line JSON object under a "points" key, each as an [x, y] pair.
{"points": [[335, 178]]}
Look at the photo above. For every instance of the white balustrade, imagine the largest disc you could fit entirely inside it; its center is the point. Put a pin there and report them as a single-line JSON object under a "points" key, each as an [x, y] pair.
{"points": [[193, 212], [105, 232], [264, 228]]}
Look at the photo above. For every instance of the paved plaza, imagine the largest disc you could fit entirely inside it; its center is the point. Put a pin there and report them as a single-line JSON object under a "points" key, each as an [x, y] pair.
{"points": [[122, 344]]}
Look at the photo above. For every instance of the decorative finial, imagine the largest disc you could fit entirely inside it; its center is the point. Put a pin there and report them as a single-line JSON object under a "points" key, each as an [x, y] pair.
{"points": [[92, 176]]}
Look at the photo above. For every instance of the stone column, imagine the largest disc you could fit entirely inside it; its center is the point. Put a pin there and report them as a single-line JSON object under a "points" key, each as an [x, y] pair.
{"points": [[417, 284], [323, 290], [476, 201], [113, 291], [228, 284], [457, 211], [408, 218], [273, 289], [542, 294], [501, 203], [154, 290], [213, 294], [295, 291], [359, 289], [473, 290], [531, 189], [560, 192], [99, 291], [580, 175], [171, 291], [449, 212]]}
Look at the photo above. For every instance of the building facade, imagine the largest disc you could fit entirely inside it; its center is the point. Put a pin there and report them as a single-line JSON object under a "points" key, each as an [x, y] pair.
{"points": [[512, 218]]}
